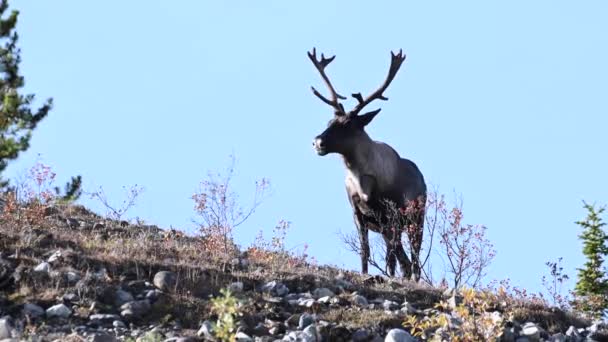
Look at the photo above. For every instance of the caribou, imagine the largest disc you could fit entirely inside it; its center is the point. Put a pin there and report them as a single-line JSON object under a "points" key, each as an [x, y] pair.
{"points": [[376, 175]]}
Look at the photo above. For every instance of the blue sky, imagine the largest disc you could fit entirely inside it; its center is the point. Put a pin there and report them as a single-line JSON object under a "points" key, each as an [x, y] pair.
{"points": [[504, 103]]}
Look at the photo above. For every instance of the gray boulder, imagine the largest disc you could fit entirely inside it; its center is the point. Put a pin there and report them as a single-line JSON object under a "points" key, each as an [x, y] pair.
{"points": [[33, 310], [322, 292], [135, 309], [399, 335], [306, 319], [165, 281], [6, 327], [43, 267], [123, 297], [59, 310]]}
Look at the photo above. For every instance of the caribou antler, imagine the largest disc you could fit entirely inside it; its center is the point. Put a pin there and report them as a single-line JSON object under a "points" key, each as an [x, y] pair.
{"points": [[320, 65], [396, 61]]}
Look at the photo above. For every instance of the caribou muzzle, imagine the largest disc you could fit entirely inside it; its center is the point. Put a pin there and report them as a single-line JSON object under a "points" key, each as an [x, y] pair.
{"points": [[319, 146]]}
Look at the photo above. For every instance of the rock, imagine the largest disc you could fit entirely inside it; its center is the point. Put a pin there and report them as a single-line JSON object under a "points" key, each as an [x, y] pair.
{"points": [[154, 295], [324, 300], [597, 325], [99, 225], [70, 298], [102, 337], [531, 331], [292, 337], [55, 257], [508, 335], [101, 274], [51, 211], [72, 277], [408, 308], [6, 327], [454, 301], [6, 273], [276, 288], [33, 310], [206, 330], [235, 262], [310, 334], [308, 303], [119, 324], [136, 308], [377, 338], [43, 267], [336, 301], [496, 317], [293, 320], [260, 330], [236, 287], [559, 337], [390, 305], [105, 318], [165, 281], [359, 300], [305, 320], [242, 337], [292, 296], [11, 340], [59, 310], [72, 222], [339, 333], [322, 292], [276, 330], [573, 334], [360, 335], [373, 279], [239, 263], [265, 339], [344, 284], [399, 335], [123, 297]]}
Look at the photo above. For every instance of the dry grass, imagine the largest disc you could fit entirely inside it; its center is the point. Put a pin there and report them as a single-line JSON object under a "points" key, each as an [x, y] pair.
{"points": [[353, 318], [116, 254]]}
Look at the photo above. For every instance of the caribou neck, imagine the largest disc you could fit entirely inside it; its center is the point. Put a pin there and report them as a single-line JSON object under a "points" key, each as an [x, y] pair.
{"points": [[358, 156]]}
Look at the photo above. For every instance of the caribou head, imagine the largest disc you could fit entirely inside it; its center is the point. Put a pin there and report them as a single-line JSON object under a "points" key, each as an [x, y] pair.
{"points": [[346, 129]]}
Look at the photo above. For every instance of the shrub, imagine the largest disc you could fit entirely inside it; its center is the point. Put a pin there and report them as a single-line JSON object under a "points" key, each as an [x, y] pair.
{"points": [[553, 284], [465, 246], [228, 309], [113, 211], [28, 200], [218, 206], [472, 320], [274, 253]]}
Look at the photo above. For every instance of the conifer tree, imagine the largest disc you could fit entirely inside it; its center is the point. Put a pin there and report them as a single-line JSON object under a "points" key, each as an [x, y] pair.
{"points": [[73, 190], [592, 285], [17, 118]]}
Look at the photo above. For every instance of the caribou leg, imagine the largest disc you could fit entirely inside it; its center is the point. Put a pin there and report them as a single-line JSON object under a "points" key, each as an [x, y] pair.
{"points": [[391, 257], [363, 240], [415, 220], [404, 262]]}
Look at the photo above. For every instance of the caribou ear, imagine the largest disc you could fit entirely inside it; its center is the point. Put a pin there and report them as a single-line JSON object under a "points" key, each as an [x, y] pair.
{"points": [[365, 119]]}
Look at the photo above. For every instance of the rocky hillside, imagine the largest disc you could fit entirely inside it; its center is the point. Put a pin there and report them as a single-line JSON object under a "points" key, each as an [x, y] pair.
{"points": [[71, 275]]}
